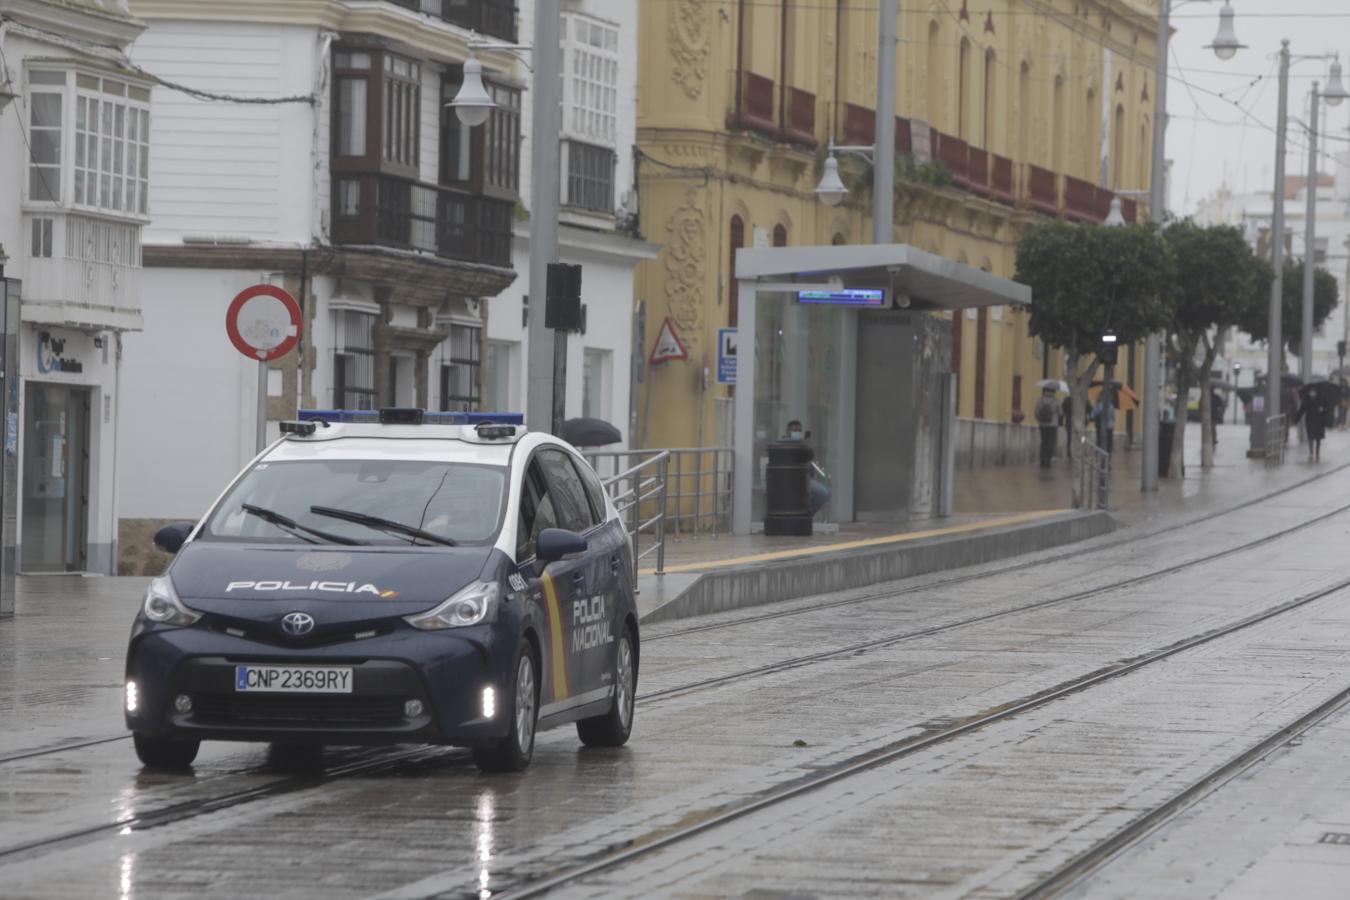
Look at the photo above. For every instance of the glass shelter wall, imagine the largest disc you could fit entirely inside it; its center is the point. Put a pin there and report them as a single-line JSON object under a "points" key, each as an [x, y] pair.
{"points": [[798, 360]]}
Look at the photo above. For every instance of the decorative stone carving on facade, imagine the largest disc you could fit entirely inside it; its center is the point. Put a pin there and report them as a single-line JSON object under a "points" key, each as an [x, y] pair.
{"points": [[689, 45], [684, 258]]}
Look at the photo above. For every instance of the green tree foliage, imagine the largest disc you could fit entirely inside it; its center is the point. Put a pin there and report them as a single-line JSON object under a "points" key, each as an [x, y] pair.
{"points": [[1255, 318], [1216, 279], [1089, 279]]}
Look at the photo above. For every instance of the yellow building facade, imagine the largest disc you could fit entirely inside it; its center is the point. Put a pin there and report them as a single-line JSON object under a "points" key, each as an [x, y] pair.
{"points": [[1009, 112]]}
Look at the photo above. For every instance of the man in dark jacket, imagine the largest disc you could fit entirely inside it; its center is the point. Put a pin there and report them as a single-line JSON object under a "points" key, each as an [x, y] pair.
{"points": [[1047, 415]]}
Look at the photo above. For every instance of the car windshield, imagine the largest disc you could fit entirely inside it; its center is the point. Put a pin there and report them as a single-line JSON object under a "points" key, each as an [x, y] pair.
{"points": [[457, 501]]}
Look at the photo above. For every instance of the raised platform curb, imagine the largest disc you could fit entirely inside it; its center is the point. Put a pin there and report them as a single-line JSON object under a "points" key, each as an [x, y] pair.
{"points": [[664, 598]]}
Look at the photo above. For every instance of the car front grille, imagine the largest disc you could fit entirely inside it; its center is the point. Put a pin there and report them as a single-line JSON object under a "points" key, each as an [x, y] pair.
{"points": [[310, 711]]}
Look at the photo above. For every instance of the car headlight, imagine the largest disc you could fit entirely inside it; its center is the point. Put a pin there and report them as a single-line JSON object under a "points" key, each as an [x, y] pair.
{"points": [[162, 605], [473, 605]]}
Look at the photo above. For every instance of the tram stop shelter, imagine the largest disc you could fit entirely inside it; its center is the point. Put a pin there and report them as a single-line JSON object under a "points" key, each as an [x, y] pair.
{"points": [[843, 339]]}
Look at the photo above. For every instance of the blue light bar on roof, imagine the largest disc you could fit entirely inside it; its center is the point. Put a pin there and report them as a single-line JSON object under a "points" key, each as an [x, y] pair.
{"points": [[372, 417]]}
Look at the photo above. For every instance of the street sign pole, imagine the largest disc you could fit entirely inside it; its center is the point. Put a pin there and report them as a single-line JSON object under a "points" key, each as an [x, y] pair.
{"points": [[263, 322]]}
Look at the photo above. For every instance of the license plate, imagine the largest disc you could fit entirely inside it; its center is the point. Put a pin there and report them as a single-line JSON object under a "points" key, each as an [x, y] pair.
{"points": [[292, 680]]}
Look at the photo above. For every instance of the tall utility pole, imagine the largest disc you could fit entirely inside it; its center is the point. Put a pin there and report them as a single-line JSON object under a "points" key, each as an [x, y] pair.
{"points": [[1309, 245], [1157, 199], [1274, 337], [883, 154], [546, 368]]}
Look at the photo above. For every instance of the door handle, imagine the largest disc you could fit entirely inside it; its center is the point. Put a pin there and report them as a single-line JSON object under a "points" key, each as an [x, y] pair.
{"points": [[579, 582], [615, 564]]}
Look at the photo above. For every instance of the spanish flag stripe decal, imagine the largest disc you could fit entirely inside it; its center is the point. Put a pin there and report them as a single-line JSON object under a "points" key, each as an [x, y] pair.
{"points": [[555, 630]]}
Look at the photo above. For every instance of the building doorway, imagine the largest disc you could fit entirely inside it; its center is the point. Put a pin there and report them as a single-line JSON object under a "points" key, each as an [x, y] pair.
{"points": [[55, 514]]}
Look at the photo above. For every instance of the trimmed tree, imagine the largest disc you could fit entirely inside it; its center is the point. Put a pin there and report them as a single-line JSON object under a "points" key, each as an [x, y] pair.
{"points": [[1215, 283], [1255, 318], [1089, 279]]}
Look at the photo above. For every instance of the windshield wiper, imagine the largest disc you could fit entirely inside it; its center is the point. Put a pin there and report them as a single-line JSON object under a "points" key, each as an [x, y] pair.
{"points": [[381, 524], [294, 527]]}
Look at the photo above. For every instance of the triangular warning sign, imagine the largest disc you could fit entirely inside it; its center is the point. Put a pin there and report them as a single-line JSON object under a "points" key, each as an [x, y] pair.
{"points": [[668, 346]]}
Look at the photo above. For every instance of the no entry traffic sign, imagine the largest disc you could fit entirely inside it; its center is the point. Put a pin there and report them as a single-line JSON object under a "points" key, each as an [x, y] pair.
{"points": [[263, 322]]}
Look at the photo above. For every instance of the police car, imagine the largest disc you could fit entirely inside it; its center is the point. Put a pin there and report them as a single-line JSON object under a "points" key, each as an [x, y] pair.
{"points": [[400, 580]]}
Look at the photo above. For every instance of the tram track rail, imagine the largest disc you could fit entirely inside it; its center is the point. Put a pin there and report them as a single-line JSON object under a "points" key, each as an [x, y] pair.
{"points": [[193, 808], [868, 761], [1076, 551], [886, 595], [915, 634]]}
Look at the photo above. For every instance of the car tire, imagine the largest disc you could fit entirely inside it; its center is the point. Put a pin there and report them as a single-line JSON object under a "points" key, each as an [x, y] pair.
{"points": [[513, 752], [162, 753], [613, 728]]}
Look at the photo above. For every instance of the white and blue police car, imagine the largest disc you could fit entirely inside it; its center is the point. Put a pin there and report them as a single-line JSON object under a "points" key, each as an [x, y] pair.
{"points": [[413, 578]]}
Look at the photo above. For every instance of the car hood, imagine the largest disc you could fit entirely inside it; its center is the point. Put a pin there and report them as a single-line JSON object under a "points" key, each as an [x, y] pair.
{"points": [[350, 584]]}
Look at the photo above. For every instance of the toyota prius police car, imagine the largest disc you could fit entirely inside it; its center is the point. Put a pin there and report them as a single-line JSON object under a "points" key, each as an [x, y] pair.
{"points": [[392, 581]]}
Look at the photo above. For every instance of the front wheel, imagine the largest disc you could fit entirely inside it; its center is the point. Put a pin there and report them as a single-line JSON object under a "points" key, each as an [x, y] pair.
{"points": [[513, 752], [161, 753], [612, 728]]}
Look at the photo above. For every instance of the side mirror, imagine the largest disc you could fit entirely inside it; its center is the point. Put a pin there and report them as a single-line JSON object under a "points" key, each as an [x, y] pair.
{"points": [[558, 543], [170, 538]]}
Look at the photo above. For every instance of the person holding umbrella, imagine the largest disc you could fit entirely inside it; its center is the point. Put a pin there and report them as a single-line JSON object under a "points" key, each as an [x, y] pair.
{"points": [[1315, 408], [1047, 417]]}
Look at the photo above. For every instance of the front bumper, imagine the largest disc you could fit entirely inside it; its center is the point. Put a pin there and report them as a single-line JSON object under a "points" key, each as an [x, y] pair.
{"points": [[445, 671]]}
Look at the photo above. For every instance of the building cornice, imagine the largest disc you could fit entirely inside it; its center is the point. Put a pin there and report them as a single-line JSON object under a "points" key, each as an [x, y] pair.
{"points": [[74, 21], [413, 278], [600, 243], [426, 36]]}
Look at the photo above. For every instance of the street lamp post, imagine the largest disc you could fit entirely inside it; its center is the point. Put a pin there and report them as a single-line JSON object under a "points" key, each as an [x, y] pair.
{"points": [[1333, 96], [546, 367]]}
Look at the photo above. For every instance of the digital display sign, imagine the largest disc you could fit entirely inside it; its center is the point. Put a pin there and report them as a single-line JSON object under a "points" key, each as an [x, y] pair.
{"points": [[844, 297]]}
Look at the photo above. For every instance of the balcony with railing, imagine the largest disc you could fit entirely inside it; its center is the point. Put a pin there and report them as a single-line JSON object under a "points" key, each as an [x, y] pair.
{"points": [[389, 211], [490, 17], [83, 271], [800, 116], [754, 104]]}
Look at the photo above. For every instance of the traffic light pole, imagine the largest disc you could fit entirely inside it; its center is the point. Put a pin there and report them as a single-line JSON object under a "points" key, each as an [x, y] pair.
{"points": [[546, 368]]}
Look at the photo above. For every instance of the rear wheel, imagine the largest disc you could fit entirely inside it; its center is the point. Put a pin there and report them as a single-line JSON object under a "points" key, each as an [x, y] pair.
{"points": [[513, 752], [612, 729], [162, 753]]}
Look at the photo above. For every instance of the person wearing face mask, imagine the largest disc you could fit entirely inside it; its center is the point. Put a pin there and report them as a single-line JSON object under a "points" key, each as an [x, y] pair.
{"points": [[819, 490]]}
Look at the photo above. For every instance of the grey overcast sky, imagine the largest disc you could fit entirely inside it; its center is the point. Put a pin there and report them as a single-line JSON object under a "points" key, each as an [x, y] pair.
{"points": [[1212, 141]]}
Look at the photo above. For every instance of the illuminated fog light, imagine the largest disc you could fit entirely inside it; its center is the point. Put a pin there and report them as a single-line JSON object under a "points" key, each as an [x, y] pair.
{"points": [[182, 703], [412, 709], [489, 702], [133, 697]]}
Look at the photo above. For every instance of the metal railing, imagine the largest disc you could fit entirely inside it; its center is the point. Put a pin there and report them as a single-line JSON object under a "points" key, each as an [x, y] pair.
{"points": [[1092, 475], [643, 484], [700, 496], [1275, 439]]}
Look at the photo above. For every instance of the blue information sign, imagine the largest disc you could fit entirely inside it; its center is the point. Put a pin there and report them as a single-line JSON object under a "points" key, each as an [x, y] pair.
{"points": [[726, 356]]}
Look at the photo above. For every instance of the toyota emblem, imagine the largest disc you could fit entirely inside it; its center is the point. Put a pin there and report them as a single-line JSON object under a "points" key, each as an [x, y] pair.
{"points": [[297, 623]]}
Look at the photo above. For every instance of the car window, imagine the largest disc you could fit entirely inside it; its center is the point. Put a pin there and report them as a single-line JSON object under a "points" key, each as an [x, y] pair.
{"points": [[569, 497], [595, 492], [536, 512], [460, 501]]}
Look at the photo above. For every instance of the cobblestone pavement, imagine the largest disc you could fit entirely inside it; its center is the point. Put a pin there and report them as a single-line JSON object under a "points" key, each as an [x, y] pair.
{"points": [[732, 709]]}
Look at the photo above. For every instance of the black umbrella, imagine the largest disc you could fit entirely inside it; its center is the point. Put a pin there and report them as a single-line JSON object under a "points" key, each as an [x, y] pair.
{"points": [[586, 432]]}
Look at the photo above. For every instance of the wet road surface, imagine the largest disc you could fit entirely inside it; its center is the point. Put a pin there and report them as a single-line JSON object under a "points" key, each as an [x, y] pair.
{"points": [[727, 715]]}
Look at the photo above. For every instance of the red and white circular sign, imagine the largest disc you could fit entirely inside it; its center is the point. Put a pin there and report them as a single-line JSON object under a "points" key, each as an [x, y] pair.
{"points": [[263, 322]]}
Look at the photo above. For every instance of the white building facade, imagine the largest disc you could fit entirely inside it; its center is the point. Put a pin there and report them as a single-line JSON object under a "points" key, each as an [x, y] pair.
{"points": [[1252, 212], [309, 146], [75, 128]]}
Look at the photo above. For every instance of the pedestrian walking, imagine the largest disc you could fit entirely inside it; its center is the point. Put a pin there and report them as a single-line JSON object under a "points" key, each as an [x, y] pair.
{"points": [[1066, 419], [1103, 415], [1317, 412], [1047, 417]]}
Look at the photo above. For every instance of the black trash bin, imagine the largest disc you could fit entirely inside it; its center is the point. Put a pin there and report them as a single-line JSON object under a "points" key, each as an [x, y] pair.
{"points": [[787, 489], [1166, 430]]}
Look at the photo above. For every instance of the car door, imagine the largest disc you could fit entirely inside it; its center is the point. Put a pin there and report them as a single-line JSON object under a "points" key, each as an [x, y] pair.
{"points": [[589, 580]]}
